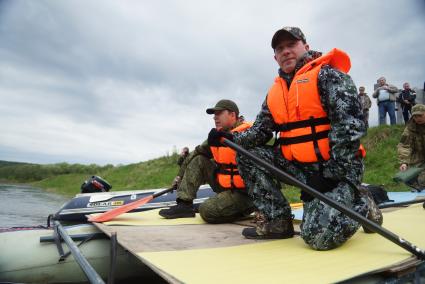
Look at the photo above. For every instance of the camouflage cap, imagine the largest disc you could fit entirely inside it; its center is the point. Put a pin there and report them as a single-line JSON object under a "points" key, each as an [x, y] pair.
{"points": [[418, 109], [224, 105], [293, 32]]}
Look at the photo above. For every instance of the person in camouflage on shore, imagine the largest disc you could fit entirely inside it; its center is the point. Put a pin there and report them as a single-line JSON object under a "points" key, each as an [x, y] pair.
{"points": [[183, 155], [203, 166], [366, 104], [315, 106], [411, 149]]}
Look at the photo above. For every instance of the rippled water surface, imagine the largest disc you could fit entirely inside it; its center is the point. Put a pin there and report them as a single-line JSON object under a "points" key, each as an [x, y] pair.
{"points": [[27, 206]]}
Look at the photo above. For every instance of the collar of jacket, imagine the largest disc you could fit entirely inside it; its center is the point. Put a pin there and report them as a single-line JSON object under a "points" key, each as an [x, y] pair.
{"points": [[227, 129], [415, 128], [306, 58]]}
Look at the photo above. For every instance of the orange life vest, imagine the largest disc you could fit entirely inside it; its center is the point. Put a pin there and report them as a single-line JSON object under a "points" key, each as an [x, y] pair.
{"points": [[303, 123], [227, 174]]}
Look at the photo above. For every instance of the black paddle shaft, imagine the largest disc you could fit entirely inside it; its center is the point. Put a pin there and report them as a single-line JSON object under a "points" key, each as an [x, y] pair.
{"points": [[284, 177], [162, 192], [403, 203]]}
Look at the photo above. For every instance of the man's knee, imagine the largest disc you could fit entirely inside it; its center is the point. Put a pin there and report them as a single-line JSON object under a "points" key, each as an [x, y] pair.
{"points": [[323, 240], [207, 211], [225, 207]]}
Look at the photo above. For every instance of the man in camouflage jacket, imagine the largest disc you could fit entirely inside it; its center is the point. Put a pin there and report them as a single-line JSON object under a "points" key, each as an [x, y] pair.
{"points": [[366, 104], [411, 149], [322, 227], [199, 168]]}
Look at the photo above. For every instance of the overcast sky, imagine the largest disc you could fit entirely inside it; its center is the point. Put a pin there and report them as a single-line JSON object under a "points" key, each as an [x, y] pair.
{"points": [[126, 81]]}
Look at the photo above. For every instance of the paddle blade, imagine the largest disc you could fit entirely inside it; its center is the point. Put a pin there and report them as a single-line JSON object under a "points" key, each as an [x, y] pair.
{"points": [[111, 214]]}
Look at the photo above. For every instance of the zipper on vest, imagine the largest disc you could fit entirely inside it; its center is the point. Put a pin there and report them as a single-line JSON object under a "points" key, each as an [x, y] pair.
{"points": [[297, 107]]}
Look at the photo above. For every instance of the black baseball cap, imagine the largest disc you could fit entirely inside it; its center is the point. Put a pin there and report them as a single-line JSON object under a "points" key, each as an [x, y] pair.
{"points": [[293, 32], [224, 105]]}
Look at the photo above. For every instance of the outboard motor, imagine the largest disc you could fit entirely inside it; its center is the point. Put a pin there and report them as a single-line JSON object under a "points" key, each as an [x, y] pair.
{"points": [[95, 184]]}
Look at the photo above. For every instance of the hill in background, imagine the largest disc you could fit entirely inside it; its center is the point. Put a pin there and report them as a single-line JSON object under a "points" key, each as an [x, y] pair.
{"points": [[8, 164], [381, 165]]}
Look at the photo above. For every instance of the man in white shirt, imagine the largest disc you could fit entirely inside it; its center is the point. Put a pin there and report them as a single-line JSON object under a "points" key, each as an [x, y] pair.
{"points": [[386, 97]]}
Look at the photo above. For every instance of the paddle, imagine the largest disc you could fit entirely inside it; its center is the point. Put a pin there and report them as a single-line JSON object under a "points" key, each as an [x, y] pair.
{"points": [[402, 203], [281, 175], [111, 214]]}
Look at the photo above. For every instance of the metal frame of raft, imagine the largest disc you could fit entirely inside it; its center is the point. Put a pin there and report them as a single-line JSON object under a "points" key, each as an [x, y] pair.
{"points": [[61, 234]]}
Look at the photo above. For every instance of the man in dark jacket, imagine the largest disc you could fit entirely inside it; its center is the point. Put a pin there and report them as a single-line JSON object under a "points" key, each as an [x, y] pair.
{"points": [[407, 99], [315, 108]]}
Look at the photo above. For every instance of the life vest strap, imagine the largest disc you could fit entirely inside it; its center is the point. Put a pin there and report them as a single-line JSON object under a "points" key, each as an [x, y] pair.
{"points": [[304, 138], [231, 170], [228, 172], [226, 166], [303, 123]]}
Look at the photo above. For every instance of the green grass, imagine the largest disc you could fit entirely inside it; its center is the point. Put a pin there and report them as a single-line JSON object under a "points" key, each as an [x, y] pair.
{"points": [[151, 174], [381, 158], [381, 165], [68, 184], [291, 193], [155, 173]]}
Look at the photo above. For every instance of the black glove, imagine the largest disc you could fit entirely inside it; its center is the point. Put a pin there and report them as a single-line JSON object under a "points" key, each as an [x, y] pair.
{"points": [[319, 183], [215, 136]]}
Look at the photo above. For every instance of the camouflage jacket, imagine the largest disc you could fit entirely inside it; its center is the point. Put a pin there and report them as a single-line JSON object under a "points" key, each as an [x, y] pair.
{"points": [[340, 100], [202, 149], [365, 101], [411, 149]]}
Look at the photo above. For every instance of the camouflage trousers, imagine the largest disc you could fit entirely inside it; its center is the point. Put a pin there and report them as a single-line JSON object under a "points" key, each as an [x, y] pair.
{"points": [[226, 206], [419, 181], [366, 117], [322, 227]]}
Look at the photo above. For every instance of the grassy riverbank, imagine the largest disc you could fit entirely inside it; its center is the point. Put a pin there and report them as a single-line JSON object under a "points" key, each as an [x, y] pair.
{"points": [[381, 165], [155, 173]]}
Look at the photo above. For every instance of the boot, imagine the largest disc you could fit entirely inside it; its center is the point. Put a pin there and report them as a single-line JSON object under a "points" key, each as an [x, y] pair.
{"points": [[374, 214], [183, 209], [281, 228]]}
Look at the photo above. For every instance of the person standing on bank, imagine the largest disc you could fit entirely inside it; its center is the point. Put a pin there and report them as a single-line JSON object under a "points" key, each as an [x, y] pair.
{"points": [[314, 107], [366, 105], [183, 155], [407, 99], [386, 97], [216, 166]]}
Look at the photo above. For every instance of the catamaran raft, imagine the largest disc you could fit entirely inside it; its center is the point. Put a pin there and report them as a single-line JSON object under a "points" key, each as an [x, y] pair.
{"points": [[189, 250]]}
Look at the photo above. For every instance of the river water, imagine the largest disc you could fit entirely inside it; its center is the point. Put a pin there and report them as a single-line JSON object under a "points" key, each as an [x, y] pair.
{"points": [[27, 206]]}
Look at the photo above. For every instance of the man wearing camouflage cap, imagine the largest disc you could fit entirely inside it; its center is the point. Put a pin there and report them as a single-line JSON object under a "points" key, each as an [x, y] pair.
{"points": [[314, 108], [411, 149], [216, 166]]}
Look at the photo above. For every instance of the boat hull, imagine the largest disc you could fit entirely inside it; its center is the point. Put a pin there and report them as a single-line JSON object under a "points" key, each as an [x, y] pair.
{"points": [[82, 205], [24, 259]]}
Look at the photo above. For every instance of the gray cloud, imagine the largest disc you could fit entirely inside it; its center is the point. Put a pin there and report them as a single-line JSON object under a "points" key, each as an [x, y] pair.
{"points": [[119, 82]]}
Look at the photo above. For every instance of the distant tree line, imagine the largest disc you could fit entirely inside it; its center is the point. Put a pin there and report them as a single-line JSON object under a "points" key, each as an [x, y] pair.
{"points": [[23, 172]]}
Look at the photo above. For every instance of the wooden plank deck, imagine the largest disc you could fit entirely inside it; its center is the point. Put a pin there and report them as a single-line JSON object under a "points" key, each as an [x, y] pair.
{"points": [[176, 251]]}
